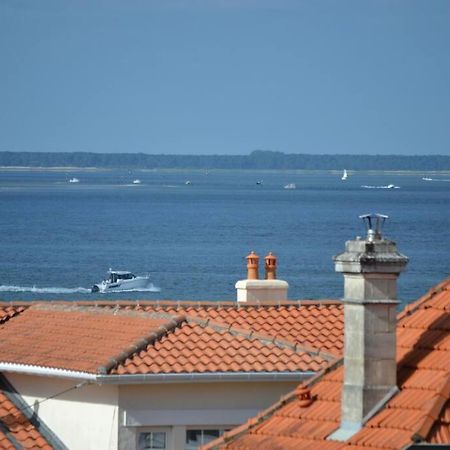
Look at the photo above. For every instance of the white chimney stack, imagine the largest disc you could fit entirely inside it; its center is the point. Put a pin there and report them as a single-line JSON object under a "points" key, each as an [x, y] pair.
{"points": [[253, 290], [370, 267]]}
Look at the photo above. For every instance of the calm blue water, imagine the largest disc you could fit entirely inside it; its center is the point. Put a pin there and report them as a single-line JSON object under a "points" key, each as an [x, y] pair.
{"points": [[57, 239]]}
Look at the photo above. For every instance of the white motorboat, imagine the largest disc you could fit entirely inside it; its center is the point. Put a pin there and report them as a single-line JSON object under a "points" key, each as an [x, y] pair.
{"points": [[137, 181], [344, 175], [121, 280], [74, 180], [290, 186]]}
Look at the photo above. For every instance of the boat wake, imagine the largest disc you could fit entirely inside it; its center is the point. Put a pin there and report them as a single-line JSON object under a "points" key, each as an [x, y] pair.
{"points": [[44, 290], [62, 290], [149, 288]]}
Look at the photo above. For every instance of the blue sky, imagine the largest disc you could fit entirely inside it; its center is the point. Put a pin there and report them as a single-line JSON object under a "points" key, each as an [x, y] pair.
{"points": [[225, 76]]}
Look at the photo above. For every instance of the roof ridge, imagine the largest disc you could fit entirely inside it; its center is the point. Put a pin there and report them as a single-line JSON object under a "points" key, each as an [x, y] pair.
{"points": [[11, 314], [249, 333], [414, 306], [151, 338], [117, 311], [74, 307], [437, 403], [177, 303]]}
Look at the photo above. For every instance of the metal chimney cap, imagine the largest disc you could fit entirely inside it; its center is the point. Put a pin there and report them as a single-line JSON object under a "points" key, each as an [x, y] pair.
{"points": [[374, 224]]}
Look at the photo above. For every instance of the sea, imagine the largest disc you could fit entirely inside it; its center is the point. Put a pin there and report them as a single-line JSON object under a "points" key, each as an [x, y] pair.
{"points": [[190, 231]]}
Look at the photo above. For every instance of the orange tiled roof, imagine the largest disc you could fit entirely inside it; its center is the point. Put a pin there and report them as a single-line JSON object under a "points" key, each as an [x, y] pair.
{"points": [[419, 412], [17, 429], [167, 337], [196, 348], [73, 338], [317, 323]]}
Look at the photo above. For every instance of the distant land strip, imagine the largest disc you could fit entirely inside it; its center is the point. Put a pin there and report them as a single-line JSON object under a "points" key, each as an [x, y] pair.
{"points": [[257, 160]]}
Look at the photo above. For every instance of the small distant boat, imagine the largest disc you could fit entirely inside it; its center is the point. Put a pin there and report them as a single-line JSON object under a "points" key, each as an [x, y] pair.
{"points": [[388, 186], [188, 182], [74, 180], [137, 181], [344, 175], [259, 182], [290, 186], [436, 179], [121, 280]]}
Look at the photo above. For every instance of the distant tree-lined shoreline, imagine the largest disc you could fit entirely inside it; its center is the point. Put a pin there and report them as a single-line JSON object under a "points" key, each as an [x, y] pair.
{"points": [[258, 159]]}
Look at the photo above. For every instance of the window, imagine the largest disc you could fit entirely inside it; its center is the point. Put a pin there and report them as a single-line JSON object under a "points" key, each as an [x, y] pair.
{"points": [[196, 438], [152, 440]]}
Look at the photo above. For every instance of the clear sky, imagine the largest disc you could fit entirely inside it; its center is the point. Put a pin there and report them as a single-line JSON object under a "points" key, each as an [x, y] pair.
{"points": [[225, 76]]}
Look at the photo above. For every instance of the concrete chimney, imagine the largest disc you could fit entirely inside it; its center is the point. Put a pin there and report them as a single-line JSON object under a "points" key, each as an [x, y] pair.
{"points": [[370, 267], [253, 290]]}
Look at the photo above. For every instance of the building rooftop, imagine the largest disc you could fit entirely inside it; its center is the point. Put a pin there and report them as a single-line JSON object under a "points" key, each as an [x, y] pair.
{"points": [[129, 338], [419, 412]]}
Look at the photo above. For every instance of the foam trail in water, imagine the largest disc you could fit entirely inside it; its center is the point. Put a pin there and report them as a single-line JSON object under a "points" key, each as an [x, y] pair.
{"points": [[45, 290], [365, 186], [150, 288]]}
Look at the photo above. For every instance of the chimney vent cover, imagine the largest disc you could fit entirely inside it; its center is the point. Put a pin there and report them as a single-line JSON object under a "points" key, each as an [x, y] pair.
{"points": [[374, 224]]}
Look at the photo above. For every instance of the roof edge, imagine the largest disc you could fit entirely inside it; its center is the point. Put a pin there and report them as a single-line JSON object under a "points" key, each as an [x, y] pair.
{"points": [[414, 306], [437, 404], [204, 377], [150, 378], [29, 369]]}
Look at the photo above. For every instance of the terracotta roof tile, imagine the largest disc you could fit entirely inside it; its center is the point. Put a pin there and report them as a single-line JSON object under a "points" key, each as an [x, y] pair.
{"points": [[388, 438], [440, 431], [7, 312], [420, 411], [74, 338], [222, 351], [287, 318], [16, 428], [300, 336]]}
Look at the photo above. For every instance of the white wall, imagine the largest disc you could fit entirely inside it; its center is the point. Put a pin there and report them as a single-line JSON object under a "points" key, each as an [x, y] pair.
{"points": [[107, 417], [84, 419], [220, 405]]}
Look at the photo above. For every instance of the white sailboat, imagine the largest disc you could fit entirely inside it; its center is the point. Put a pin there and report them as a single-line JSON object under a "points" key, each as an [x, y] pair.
{"points": [[344, 175]]}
